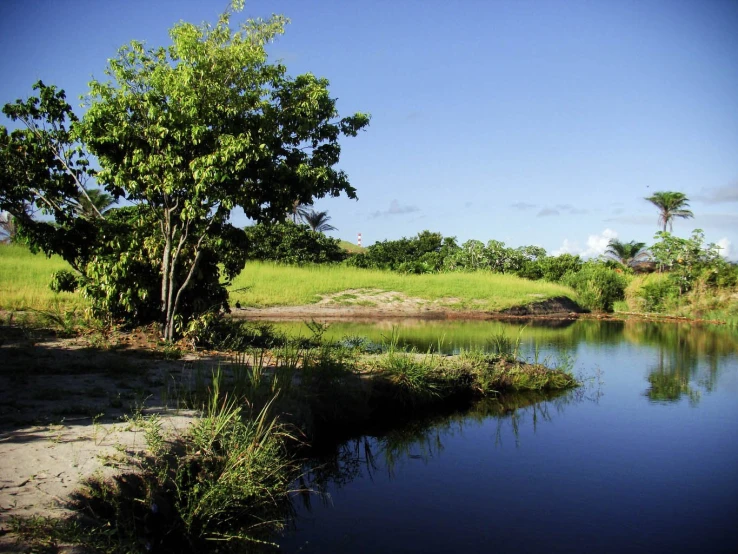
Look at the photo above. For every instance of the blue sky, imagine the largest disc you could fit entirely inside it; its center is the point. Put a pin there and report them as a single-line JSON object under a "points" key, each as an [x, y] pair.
{"points": [[532, 122]]}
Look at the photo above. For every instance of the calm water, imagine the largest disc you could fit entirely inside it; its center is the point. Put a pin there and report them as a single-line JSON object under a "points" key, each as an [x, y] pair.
{"points": [[642, 459]]}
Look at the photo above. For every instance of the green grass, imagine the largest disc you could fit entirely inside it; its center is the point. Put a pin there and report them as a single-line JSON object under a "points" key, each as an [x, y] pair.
{"points": [[265, 284], [351, 247], [702, 302], [25, 278]]}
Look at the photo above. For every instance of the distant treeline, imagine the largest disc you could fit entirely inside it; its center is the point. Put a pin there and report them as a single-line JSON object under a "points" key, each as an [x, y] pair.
{"points": [[427, 252], [597, 284]]}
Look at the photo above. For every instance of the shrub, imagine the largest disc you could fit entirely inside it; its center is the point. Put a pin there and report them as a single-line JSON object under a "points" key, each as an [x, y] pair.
{"points": [[597, 286], [657, 294], [687, 259], [63, 281], [426, 248], [531, 269], [554, 268], [291, 243]]}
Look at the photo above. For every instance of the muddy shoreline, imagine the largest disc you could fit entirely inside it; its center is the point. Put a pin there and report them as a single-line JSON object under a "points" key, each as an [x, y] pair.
{"points": [[555, 308]]}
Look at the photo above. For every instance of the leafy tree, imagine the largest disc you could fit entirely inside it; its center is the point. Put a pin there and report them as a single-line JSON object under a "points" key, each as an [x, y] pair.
{"points": [[189, 132], [43, 168], [670, 205], [318, 221], [471, 256], [627, 253], [501, 258], [688, 259]]}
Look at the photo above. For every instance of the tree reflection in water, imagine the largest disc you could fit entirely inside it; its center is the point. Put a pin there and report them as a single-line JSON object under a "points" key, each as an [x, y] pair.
{"points": [[423, 439], [690, 355], [689, 358]]}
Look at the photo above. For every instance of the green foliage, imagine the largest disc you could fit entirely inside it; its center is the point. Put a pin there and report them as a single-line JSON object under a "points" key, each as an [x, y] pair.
{"points": [[657, 295], [42, 165], [63, 281], [193, 130], [420, 254], [122, 275], [686, 260], [598, 287], [553, 268], [472, 256], [290, 243], [185, 133], [233, 470], [724, 275]]}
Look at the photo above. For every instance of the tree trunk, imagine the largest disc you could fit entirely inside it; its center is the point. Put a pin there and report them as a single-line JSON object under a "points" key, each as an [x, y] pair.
{"points": [[167, 232]]}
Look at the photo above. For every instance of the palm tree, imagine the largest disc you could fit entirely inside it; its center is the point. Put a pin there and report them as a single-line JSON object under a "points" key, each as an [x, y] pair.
{"points": [[100, 200], [318, 221], [627, 253], [298, 211], [671, 204]]}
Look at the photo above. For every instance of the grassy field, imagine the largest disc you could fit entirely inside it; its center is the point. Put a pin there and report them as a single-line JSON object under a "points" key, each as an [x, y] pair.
{"points": [[24, 284], [265, 284]]}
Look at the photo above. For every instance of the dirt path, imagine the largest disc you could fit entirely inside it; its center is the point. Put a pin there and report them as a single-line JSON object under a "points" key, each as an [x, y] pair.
{"points": [[377, 304], [67, 413]]}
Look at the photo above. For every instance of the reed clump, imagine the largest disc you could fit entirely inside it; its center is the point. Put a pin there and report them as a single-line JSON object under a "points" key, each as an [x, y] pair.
{"points": [[221, 486]]}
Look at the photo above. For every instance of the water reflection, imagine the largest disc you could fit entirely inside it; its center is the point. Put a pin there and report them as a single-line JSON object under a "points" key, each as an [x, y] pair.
{"points": [[424, 438], [622, 466], [689, 356]]}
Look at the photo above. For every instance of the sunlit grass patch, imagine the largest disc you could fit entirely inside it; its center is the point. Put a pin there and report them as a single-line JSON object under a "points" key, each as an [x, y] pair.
{"points": [[25, 278], [266, 284]]}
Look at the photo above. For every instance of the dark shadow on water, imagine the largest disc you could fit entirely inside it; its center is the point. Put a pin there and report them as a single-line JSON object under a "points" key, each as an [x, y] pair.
{"points": [[422, 438]]}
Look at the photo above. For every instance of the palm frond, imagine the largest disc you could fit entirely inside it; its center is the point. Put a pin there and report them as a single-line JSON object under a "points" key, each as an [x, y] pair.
{"points": [[318, 221]]}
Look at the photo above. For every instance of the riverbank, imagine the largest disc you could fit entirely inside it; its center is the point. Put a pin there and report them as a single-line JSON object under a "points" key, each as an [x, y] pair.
{"points": [[74, 409], [371, 304]]}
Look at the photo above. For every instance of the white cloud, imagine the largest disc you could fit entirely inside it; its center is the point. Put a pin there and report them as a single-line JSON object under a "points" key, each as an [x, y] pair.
{"points": [[596, 245], [725, 247], [567, 248]]}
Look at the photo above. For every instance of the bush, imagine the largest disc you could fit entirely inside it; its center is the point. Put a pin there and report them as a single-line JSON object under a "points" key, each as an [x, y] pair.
{"points": [[291, 243], [531, 269], [554, 268], [422, 253], [722, 275], [597, 287], [63, 281], [657, 294], [688, 260]]}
